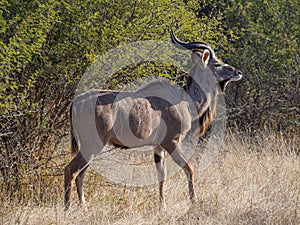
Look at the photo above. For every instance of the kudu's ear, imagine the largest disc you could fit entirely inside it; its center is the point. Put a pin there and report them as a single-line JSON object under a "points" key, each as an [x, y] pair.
{"points": [[205, 57]]}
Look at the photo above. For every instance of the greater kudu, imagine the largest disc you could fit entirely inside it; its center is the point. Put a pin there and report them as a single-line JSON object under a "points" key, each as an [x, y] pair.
{"points": [[129, 119]]}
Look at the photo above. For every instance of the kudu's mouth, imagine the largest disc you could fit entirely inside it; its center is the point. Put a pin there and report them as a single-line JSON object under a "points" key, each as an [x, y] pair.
{"points": [[237, 76]]}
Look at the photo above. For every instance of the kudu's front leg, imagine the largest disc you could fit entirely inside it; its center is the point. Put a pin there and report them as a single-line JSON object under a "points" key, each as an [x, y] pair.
{"points": [[177, 155]]}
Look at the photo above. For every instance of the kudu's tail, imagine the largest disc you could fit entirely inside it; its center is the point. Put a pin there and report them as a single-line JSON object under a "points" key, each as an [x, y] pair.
{"points": [[74, 145]]}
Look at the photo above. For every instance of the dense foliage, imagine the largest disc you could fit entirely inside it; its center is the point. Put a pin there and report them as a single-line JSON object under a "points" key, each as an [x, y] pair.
{"points": [[45, 47]]}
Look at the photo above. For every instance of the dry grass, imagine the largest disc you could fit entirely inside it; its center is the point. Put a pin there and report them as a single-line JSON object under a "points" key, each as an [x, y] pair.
{"points": [[255, 182]]}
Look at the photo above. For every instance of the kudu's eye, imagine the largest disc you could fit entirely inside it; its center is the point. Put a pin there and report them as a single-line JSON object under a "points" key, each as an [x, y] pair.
{"points": [[217, 65]]}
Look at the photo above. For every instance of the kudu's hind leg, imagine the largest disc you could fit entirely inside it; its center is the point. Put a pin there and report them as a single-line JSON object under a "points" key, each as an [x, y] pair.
{"points": [[177, 155], [159, 158], [71, 172], [79, 184]]}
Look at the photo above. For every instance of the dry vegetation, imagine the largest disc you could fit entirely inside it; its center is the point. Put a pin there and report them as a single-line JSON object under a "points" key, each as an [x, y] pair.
{"points": [[250, 182]]}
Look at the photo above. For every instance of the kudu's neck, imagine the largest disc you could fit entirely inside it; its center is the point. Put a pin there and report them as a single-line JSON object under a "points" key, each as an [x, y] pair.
{"points": [[202, 88]]}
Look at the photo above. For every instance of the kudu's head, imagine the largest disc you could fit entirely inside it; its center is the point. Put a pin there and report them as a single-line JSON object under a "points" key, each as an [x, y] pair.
{"points": [[204, 54]]}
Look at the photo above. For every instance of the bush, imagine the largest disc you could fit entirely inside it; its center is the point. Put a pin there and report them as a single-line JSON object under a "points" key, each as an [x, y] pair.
{"points": [[45, 47]]}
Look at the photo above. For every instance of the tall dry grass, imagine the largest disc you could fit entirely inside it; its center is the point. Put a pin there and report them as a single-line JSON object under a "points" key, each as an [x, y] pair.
{"points": [[252, 181]]}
